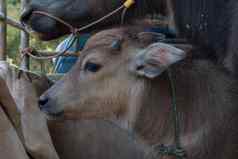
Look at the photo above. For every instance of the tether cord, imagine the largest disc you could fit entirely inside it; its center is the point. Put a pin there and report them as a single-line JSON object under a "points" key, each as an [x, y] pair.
{"points": [[31, 52], [77, 30], [174, 110], [175, 150]]}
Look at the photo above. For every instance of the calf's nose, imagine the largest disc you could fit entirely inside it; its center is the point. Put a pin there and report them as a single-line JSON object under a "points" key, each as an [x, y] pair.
{"points": [[43, 102]]}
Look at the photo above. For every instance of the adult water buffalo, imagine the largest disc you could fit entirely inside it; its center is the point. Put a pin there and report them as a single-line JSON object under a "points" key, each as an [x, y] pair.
{"points": [[120, 78], [212, 24]]}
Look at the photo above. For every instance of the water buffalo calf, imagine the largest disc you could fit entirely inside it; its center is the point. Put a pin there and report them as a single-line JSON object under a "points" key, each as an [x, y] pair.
{"points": [[122, 79], [72, 139]]}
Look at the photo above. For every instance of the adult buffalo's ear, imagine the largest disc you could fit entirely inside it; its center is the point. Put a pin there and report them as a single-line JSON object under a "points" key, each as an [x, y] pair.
{"points": [[155, 59]]}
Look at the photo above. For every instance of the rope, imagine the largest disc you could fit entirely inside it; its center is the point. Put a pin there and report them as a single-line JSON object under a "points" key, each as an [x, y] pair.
{"points": [[123, 15], [175, 150], [161, 150], [32, 52], [127, 4], [74, 31], [174, 110], [77, 30], [55, 18]]}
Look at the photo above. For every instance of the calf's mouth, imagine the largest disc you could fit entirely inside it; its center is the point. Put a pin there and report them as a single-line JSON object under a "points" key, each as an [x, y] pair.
{"points": [[53, 116]]}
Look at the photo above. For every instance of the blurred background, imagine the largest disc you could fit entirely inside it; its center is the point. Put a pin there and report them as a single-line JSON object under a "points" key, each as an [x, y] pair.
{"points": [[13, 42]]}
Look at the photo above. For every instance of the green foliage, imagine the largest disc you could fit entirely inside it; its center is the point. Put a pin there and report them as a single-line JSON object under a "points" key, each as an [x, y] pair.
{"points": [[13, 2], [13, 35], [13, 42]]}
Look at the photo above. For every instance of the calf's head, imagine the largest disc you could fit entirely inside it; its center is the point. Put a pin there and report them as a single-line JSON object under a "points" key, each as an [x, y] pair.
{"points": [[114, 72]]}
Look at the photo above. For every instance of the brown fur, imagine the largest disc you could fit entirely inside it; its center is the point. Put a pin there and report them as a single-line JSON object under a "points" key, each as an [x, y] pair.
{"points": [[206, 98], [72, 139]]}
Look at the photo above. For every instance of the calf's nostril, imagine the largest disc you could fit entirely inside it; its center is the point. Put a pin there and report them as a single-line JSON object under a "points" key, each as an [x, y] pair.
{"points": [[140, 67], [43, 101]]}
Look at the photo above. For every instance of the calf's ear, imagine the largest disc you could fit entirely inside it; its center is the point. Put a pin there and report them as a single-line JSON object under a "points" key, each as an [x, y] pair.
{"points": [[155, 59]]}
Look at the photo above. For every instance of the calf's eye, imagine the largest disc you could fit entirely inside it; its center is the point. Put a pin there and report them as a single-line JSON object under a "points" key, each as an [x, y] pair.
{"points": [[92, 67]]}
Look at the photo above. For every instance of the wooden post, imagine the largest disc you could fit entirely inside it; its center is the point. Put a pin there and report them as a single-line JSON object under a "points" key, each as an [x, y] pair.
{"points": [[3, 31], [25, 41]]}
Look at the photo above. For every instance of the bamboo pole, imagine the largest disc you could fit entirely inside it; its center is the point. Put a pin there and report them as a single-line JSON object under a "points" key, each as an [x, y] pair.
{"points": [[25, 41], [3, 31]]}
